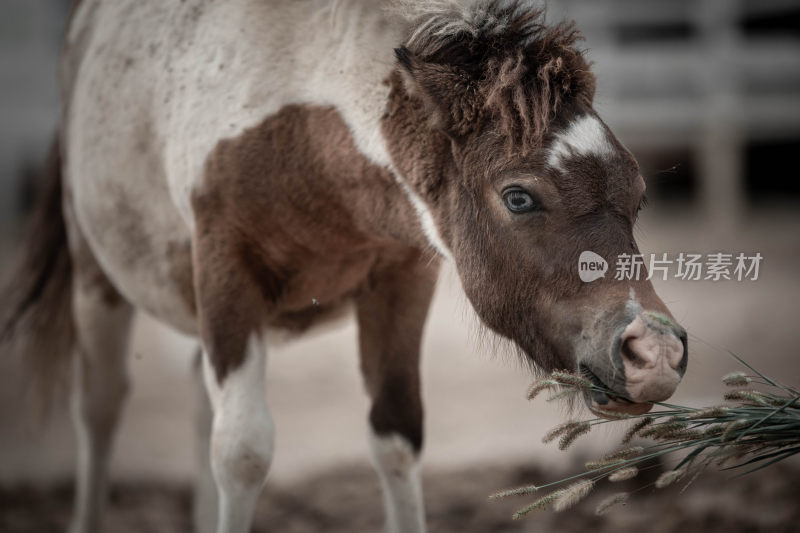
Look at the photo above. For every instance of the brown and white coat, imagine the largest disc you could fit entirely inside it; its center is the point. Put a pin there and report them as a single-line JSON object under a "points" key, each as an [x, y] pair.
{"points": [[241, 168]]}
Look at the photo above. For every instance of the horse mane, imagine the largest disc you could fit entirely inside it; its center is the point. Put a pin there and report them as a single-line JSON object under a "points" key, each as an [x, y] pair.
{"points": [[520, 69]]}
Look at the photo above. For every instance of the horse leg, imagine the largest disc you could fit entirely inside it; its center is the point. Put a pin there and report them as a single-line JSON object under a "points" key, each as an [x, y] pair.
{"points": [[102, 324], [231, 310], [391, 315], [242, 437], [204, 503]]}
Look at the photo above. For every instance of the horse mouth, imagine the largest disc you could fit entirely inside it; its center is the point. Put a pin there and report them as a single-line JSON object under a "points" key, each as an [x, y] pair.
{"points": [[606, 400]]}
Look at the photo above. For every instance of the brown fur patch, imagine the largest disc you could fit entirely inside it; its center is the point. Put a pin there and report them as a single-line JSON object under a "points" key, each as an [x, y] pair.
{"points": [[391, 313], [291, 214]]}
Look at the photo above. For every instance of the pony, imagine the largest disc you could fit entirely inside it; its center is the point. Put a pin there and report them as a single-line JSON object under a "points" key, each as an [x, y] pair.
{"points": [[241, 168]]}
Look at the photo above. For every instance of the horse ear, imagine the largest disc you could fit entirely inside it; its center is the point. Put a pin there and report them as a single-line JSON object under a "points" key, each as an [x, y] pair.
{"points": [[448, 93]]}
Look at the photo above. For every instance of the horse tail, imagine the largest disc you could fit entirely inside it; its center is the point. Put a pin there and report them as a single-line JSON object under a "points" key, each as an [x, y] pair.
{"points": [[36, 314]]}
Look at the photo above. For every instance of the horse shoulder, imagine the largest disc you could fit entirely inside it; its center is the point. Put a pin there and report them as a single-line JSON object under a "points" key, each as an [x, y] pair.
{"points": [[294, 207]]}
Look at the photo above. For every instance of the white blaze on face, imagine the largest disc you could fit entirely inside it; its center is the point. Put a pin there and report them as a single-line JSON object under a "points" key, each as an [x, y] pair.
{"points": [[585, 135]]}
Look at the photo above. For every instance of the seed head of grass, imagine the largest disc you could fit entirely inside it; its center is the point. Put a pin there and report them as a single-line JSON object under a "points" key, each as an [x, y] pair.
{"points": [[731, 428], [519, 491], [538, 504], [541, 385], [624, 453], [716, 429], [665, 430], [747, 396], [573, 494], [563, 428], [574, 380], [623, 474], [615, 458], [668, 478], [569, 437], [636, 428], [611, 501], [599, 465], [613, 415], [736, 379], [566, 393], [686, 435], [709, 412]]}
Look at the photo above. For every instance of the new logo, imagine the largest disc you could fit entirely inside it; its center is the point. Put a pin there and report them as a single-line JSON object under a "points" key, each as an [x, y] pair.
{"points": [[591, 266]]}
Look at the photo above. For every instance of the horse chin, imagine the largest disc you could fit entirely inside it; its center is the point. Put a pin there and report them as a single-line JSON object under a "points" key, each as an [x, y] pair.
{"points": [[609, 404], [615, 407]]}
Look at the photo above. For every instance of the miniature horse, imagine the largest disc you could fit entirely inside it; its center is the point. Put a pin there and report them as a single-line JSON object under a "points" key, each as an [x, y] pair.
{"points": [[240, 167]]}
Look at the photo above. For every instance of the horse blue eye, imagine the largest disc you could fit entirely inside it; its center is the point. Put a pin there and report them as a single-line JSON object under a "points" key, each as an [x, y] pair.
{"points": [[519, 201]]}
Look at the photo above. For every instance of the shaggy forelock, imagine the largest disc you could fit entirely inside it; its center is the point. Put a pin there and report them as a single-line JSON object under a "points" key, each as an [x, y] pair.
{"points": [[524, 69], [437, 22]]}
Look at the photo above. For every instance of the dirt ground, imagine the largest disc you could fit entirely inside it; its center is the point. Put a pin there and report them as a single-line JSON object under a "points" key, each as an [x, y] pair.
{"points": [[475, 415], [346, 500]]}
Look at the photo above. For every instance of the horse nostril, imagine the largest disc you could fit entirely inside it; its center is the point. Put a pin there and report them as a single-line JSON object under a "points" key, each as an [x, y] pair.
{"points": [[645, 346], [684, 362], [629, 355]]}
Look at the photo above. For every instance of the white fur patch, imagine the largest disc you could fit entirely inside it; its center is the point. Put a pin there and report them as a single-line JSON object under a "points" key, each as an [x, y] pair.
{"points": [[632, 295], [584, 136], [425, 218], [398, 469], [242, 436]]}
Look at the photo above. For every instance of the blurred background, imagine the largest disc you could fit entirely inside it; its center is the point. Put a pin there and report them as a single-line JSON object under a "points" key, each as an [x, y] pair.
{"points": [[706, 93]]}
